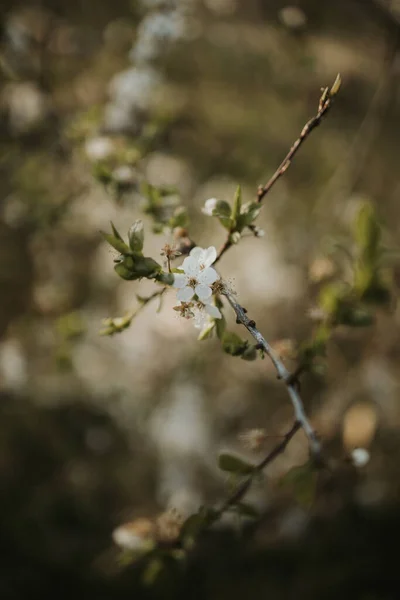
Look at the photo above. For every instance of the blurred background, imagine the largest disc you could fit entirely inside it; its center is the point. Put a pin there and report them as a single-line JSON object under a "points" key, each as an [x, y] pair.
{"points": [[95, 431]]}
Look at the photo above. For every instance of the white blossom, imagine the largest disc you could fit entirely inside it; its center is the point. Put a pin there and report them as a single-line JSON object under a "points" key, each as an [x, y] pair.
{"points": [[99, 148], [198, 275], [209, 206]]}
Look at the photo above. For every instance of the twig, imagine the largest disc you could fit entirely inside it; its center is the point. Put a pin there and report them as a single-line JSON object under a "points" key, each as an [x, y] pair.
{"points": [[283, 373], [324, 105], [243, 487]]}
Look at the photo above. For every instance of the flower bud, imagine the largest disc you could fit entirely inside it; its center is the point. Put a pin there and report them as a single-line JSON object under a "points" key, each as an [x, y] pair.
{"points": [[136, 237]]}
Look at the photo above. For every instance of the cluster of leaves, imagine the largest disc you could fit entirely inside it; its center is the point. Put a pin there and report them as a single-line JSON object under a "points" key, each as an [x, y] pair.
{"points": [[131, 264], [238, 217], [163, 205], [353, 303], [70, 327]]}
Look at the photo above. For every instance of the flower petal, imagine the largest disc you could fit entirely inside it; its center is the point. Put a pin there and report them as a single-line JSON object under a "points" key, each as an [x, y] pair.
{"points": [[191, 266], [213, 311], [200, 318], [209, 256], [185, 294], [196, 252], [203, 292], [180, 280], [208, 276]]}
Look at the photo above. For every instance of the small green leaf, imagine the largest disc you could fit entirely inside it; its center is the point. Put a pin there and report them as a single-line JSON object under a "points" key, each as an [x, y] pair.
{"points": [[249, 214], [368, 234], [250, 353], [147, 267], [302, 481], [232, 344], [115, 232], [125, 272], [152, 571], [220, 326], [237, 205], [180, 218], [165, 278], [195, 524], [116, 243], [234, 464]]}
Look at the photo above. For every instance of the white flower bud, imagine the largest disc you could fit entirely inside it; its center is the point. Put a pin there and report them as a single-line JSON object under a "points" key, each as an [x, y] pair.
{"points": [[209, 206]]}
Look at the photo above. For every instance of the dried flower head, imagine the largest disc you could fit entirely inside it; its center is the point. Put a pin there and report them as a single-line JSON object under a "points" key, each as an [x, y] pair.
{"points": [[253, 439], [169, 525]]}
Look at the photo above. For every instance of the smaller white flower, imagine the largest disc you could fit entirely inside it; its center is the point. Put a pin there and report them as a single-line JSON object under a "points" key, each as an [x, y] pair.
{"points": [[360, 457], [209, 206], [202, 312], [198, 275]]}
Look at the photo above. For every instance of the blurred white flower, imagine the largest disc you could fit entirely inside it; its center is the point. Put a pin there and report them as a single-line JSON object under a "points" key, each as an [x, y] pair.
{"points": [[124, 174], [99, 148], [209, 206], [198, 275], [135, 535], [360, 457]]}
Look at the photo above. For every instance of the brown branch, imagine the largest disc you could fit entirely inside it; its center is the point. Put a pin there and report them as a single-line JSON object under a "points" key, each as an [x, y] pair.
{"points": [[241, 490], [288, 378], [324, 105]]}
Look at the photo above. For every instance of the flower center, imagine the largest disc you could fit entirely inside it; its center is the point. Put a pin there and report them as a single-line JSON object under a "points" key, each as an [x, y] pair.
{"points": [[192, 282]]}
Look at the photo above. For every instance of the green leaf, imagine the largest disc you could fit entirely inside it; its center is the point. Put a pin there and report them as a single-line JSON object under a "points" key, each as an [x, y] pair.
{"points": [[368, 234], [234, 464], [152, 571], [220, 326], [102, 173], [125, 272], [250, 353], [237, 205], [147, 267], [116, 243], [195, 525], [115, 232], [180, 218], [249, 214], [165, 278], [232, 344], [331, 296], [302, 481]]}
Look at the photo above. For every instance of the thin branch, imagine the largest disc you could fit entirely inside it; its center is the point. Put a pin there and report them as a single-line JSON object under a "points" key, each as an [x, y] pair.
{"points": [[243, 487], [283, 373], [324, 105]]}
